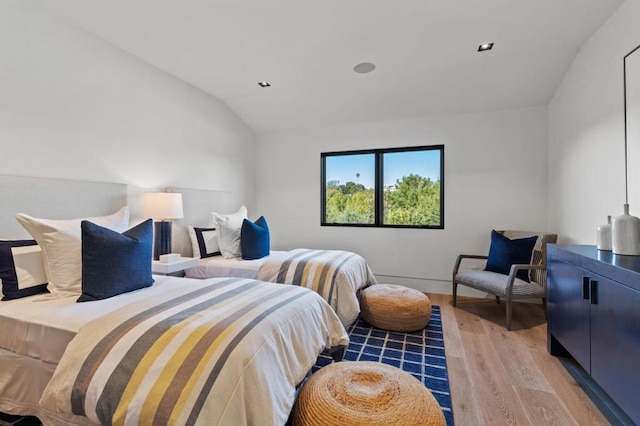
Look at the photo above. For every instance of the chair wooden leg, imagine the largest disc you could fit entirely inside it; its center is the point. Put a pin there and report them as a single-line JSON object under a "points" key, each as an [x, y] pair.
{"points": [[455, 292], [544, 305], [508, 314], [498, 300]]}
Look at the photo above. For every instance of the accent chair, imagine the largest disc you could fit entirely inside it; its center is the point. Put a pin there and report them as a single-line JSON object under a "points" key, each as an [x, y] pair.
{"points": [[509, 286]]}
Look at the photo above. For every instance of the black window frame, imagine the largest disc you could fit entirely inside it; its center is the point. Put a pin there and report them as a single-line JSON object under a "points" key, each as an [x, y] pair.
{"points": [[379, 186]]}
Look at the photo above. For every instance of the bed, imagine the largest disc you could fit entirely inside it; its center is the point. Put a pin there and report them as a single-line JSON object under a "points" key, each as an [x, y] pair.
{"points": [[266, 338], [334, 274], [105, 361]]}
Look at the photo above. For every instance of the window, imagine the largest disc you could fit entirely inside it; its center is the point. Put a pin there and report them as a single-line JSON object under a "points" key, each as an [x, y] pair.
{"points": [[396, 187]]}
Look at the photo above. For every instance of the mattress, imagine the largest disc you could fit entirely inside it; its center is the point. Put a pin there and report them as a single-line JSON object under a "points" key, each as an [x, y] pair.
{"points": [[41, 327], [218, 266]]}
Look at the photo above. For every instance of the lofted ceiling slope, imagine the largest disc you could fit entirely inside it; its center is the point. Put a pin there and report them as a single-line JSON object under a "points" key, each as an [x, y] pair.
{"points": [[425, 52]]}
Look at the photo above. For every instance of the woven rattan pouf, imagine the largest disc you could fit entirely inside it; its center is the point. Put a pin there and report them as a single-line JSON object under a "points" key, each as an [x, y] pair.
{"points": [[363, 393], [395, 308]]}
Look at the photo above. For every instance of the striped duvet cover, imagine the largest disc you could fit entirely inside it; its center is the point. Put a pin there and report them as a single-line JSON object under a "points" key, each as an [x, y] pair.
{"points": [[227, 352], [335, 275]]}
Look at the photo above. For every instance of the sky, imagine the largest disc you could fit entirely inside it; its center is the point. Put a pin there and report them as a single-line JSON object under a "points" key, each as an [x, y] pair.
{"points": [[344, 168]]}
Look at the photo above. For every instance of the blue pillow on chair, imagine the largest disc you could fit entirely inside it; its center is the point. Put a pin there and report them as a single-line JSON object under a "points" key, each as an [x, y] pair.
{"points": [[115, 263], [505, 252], [254, 239]]}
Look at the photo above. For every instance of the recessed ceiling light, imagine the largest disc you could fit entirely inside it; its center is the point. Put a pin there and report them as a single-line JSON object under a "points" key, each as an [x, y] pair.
{"points": [[485, 46], [264, 84], [364, 67]]}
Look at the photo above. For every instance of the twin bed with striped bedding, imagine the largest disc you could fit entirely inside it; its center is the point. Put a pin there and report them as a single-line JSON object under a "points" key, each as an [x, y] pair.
{"points": [[334, 274], [227, 351]]}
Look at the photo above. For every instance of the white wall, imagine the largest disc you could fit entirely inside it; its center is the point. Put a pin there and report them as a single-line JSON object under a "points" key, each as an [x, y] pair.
{"points": [[495, 177], [586, 132], [73, 106]]}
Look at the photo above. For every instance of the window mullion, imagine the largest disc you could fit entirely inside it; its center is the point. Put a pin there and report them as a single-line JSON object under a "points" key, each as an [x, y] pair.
{"points": [[379, 196], [323, 189]]}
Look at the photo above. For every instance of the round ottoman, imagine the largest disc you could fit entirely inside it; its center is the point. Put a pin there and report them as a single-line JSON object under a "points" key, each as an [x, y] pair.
{"points": [[395, 308], [363, 393]]}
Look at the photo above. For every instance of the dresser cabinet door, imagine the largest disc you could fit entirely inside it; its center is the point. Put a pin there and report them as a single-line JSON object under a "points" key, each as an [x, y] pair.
{"points": [[615, 342], [568, 307]]}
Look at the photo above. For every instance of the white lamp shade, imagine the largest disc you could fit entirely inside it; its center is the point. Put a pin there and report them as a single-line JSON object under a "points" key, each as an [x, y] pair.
{"points": [[162, 205]]}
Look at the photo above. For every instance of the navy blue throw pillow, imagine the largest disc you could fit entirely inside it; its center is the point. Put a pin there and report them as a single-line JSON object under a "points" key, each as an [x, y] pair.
{"points": [[254, 239], [114, 263], [32, 279], [505, 252]]}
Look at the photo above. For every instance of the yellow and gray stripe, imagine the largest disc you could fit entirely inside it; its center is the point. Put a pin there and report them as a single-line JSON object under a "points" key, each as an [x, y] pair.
{"points": [[207, 344], [313, 269]]}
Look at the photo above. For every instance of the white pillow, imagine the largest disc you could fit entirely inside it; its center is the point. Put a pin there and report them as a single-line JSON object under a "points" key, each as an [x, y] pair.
{"points": [[204, 242], [29, 266], [61, 245], [229, 226]]}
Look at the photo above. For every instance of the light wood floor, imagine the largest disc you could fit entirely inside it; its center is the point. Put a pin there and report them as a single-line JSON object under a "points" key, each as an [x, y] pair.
{"points": [[507, 377]]}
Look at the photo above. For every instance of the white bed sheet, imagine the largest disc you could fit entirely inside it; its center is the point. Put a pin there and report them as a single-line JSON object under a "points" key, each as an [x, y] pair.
{"points": [[41, 327], [22, 381], [219, 266]]}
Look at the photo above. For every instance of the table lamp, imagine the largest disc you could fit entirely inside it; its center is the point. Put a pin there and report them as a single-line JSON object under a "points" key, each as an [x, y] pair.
{"points": [[162, 207]]}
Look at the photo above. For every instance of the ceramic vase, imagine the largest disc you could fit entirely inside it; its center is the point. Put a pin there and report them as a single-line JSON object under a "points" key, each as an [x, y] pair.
{"points": [[625, 234], [604, 236]]}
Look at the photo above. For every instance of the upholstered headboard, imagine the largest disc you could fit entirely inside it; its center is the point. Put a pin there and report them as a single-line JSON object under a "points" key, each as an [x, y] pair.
{"points": [[54, 199], [197, 205], [68, 199]]}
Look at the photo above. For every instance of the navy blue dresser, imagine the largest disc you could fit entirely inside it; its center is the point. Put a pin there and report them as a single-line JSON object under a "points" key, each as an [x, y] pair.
{"points": [[593, 306]]}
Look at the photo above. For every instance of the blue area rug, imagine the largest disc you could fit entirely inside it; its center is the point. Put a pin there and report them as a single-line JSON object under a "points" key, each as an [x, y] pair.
{"points": [[420, 353]]}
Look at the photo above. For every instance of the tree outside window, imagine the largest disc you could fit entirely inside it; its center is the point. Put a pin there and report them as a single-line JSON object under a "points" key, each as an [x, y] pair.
{"points": [[397, 187]]}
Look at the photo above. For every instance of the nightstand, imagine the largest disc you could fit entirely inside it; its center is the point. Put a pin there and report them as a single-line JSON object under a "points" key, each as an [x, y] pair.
{"points": [[170, 268]]}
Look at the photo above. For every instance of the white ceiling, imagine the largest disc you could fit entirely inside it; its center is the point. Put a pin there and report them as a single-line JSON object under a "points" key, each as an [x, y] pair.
{"points": [[425, 52]]}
